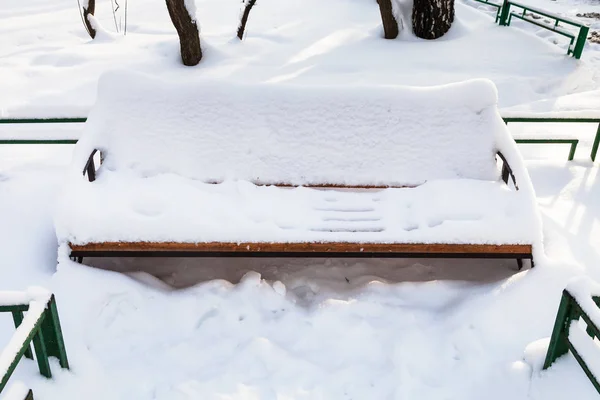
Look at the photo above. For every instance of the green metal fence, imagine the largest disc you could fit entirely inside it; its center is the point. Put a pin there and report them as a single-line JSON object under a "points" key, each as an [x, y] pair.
{"points": [[13, 121], [577, 42], [570, 311], [40, 326], [571, 141]]}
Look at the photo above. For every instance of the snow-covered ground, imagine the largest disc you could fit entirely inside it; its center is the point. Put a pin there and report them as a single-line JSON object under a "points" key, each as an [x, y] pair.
{"points": [[327, 329], [48, 62], [330, 329]]}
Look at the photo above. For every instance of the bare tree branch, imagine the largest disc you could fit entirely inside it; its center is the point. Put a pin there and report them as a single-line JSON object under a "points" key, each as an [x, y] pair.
{"points": [[248, 4]]}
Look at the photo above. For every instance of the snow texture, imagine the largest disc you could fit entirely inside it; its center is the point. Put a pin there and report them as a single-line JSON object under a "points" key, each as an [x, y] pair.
{"points": [[535, 353], [170, 208], [190, 6], [578, 105], [586, 347], [12, 298], [16, 391], [271, 134], [34, 313], [583, 289], [344, 328], [164, 144]]}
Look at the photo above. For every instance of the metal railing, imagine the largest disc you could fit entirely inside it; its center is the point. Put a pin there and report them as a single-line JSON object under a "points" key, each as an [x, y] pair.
{"points": [[577, 42], [569, 312], [573, 142], [39, 325]]}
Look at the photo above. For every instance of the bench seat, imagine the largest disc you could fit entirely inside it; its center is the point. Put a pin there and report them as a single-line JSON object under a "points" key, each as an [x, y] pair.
{"points": [[443, 212]]}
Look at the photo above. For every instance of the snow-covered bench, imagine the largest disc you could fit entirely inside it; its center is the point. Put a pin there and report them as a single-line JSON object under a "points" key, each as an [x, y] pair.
{"points": [[207, 169]]}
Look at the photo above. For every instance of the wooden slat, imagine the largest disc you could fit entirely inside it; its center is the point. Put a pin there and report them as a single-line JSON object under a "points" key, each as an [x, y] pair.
{"points": [[327, 247]]}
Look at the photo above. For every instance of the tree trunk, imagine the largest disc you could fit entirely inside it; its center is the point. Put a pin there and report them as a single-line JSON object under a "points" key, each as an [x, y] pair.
{"points": [[432, 18], [248, 4], [189, 37], [87, 11], [390, 25]]}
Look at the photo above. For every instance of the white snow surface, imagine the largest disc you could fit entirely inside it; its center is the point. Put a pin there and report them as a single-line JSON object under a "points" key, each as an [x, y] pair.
{"points": [[163, 145], [312, 329], [16, 391], [50, 61], [583, 289], [587, 348], [324, 329], [14, 298], [170, 208], [578, 105], [10, 350]]}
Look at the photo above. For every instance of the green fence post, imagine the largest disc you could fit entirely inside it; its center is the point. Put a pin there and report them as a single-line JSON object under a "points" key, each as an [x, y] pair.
{"points": [[41, 354], [54, 341], [559, 344], [596, 143], [573, 148], [504, 13], [581, 39], [29, 395], [18, 319]]}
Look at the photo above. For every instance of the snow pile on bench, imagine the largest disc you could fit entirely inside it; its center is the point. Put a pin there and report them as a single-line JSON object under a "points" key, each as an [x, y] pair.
{"points": [[119, 207], [273, 134], [165, 145]]}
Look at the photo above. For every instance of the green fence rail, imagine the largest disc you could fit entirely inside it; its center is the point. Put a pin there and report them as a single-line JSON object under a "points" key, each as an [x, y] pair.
{"points": [[12, 121], [571, 141], [570, 311], [40, 326], [577, 41]]}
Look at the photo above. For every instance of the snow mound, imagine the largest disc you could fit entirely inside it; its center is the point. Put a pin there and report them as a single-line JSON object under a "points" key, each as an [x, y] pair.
{"points": [[578, 105]]}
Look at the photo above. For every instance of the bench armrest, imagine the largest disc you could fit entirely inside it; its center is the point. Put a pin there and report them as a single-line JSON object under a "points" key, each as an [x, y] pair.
{"points": [[507, 171], [90, 167]]}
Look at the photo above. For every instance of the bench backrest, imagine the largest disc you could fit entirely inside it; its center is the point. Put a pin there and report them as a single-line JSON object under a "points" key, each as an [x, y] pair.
{"points": [[274, 134]]}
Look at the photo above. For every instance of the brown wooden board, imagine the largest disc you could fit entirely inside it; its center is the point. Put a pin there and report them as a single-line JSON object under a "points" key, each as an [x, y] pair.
{"points": [[319, 247]]}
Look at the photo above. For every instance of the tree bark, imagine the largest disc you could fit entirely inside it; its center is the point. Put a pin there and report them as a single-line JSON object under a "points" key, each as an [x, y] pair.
{"points": [[390, 25], [87, 11], [189, 37], [432, 18], [248, 4]]}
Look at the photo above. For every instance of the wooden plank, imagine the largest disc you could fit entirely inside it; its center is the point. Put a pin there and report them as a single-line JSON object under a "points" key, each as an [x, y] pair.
{"points": [[319, 247]]}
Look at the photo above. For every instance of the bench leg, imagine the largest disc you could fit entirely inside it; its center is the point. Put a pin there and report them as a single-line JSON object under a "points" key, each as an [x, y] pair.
{"points": [[520, 263], [78, 260]]}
